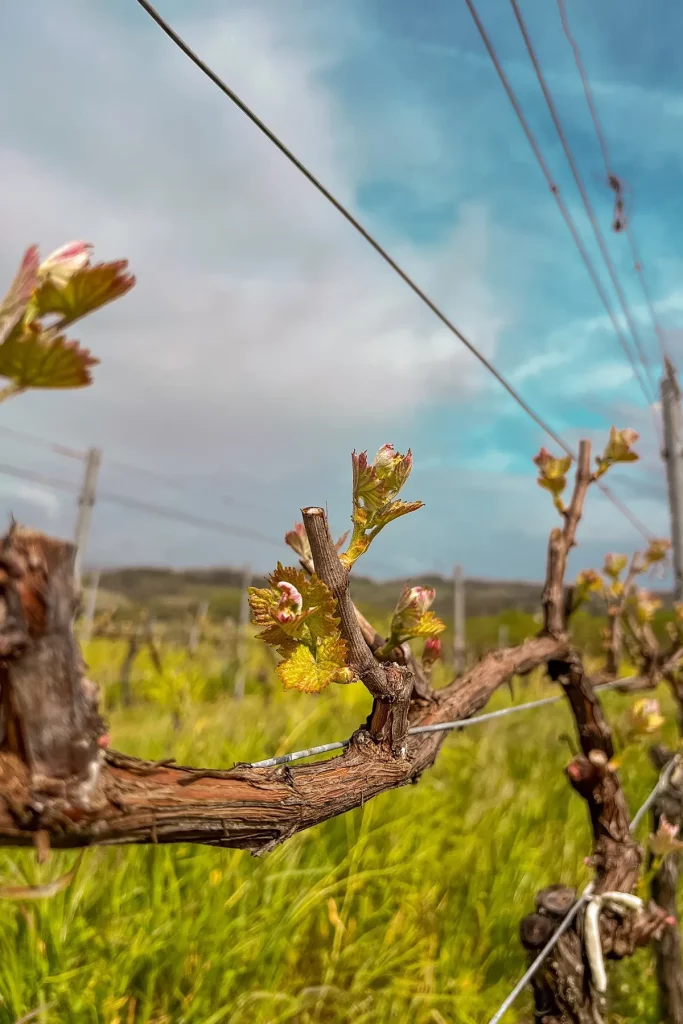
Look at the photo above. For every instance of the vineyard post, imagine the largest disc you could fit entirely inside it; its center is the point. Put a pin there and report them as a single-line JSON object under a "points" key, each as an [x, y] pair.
{"points": [[91, 604], [86, 501], [196, 627], [673, 457]]}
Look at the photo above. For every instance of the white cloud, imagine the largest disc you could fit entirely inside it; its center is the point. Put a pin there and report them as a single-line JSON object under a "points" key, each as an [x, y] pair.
{"points": [[257, 306]]}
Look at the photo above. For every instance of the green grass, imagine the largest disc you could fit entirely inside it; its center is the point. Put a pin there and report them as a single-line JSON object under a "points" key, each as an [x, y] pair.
{"points": [[406, 910]]}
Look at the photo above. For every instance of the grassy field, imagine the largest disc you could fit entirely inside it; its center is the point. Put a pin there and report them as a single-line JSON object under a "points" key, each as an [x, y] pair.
{"points": [[405, 911]]}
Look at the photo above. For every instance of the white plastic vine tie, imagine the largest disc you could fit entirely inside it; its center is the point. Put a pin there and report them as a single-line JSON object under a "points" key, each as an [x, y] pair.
{"points": [[622, 903]]}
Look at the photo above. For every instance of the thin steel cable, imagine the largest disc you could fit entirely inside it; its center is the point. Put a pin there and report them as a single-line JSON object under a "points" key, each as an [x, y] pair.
{"points": [[161, 511], [405, 277], [72, 453], [59, 449], [588, 206], [637, 262], [298, 755], [583, 899], [554, 188]]}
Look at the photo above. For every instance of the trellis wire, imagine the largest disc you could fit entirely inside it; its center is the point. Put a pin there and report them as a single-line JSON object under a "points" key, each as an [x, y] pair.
{"points": [[583, 899], [298, 755]]}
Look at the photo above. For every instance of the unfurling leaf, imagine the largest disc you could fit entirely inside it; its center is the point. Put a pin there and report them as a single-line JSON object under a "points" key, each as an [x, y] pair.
{"points": [[298, 613], [20, 291], [614, 565], [375, 487], [296, 605], [84, 290], [63, 263], [312, 669], [645, 717], [552, 474], [298, 541], [36, 354], [41, 359], [411, 618], [588, 582], [657, 551], [289, 609], [646, 606], [665, 840], [619, 448]]}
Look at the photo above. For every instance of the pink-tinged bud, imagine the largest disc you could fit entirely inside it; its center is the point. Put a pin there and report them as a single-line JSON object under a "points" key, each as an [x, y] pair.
{"points": [[418, 599], [614, 565], [588, 582], [384, 458], [103, 741], [645, 716], [291, 603], [63, 263], [543, 458], [668, 829], [431, 651], [646, 606], [297, 540], [619, 448]]}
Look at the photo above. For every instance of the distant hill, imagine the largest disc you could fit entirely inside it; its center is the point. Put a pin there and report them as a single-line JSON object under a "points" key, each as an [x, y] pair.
{"points": [[169, 593], [173, 597]]}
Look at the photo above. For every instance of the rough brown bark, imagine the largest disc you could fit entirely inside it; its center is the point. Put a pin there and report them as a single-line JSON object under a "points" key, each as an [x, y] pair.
{"points": [[664, 891], [43, 690], [254, 809], [563, 992]]}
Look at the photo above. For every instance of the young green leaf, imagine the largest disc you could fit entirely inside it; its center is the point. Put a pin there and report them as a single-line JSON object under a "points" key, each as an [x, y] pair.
{"points": [[552, 475], [646, 606], [619, 448], [312, 669], [82, 292], [34, 354], [657, 551], [614, 565], [588, 582], [41, 359], [298, 613]]}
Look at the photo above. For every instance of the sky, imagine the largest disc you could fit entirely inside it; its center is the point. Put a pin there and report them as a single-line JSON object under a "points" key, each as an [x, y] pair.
{"points": [[265, 340]]}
